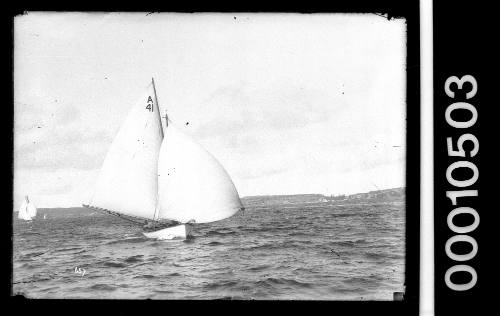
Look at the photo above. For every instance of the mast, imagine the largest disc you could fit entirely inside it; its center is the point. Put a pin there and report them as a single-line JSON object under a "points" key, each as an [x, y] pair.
{"points": [[158, 106], [155, 214]]}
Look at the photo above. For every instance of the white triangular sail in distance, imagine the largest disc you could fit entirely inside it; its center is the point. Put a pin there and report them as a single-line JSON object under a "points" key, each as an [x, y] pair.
{"points": [[23, 212], [127, 183], [192, 184], [31, 208]]}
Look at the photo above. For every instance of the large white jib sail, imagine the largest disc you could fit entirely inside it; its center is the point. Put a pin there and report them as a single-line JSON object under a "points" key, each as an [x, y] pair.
{"points": [[154, 171], [192, 184]]}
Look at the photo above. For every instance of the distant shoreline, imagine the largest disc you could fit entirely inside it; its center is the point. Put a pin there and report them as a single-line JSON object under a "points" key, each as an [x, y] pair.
{"points": [[396, 190], [378, 196]]}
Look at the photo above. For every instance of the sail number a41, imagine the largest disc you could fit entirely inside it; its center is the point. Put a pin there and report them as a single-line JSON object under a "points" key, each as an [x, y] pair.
{"points": [[149, 105]]}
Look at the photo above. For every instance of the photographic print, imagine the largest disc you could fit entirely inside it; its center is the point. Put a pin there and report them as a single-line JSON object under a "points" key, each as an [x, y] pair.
{"points": [[245, 156]]}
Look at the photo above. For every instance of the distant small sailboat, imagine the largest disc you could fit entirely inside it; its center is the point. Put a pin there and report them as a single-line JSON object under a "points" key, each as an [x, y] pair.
{"points": [[154, 174], [44, 216], [27, 211]]}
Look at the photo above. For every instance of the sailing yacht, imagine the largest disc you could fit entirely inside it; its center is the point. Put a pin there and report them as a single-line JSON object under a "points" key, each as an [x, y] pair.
{"points": [[27, 211], [156, 175]]}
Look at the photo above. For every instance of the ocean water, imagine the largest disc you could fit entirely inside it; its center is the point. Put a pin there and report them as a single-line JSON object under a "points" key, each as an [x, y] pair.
{"points": [[302, 251]]}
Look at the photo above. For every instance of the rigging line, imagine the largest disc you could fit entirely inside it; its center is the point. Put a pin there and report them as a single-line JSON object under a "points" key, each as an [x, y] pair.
{"points": [[156, 207], [156, 210], [116, 214], [123, 217], [158, 108]]}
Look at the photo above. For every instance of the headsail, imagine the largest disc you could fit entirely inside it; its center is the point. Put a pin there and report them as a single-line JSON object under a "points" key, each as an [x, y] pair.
{"points": [[127, 182], [192, 184]]}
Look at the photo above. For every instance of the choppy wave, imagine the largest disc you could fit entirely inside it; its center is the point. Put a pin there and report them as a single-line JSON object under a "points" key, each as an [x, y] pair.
{"points": [[308, 251]]}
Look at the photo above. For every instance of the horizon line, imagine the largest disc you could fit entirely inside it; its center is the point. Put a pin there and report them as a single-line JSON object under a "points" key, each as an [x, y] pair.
{"points": [[274, 195]]}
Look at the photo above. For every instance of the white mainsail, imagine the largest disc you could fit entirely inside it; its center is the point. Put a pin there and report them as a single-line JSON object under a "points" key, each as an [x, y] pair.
{"points": [[192, 184], [156, 172], [23, 212], [127, 183]]}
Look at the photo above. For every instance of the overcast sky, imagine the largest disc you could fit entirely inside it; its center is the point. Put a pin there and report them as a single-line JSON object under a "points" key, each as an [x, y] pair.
{"points": [[287, 103]]}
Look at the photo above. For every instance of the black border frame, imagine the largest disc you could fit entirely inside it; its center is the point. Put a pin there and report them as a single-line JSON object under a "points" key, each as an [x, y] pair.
{"points": [[462, 46], [408, 10]]}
